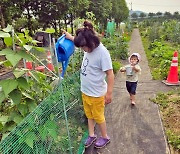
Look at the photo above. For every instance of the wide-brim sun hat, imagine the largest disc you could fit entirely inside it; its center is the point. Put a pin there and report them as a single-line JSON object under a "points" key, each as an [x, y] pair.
{"points": [[135, 54]]}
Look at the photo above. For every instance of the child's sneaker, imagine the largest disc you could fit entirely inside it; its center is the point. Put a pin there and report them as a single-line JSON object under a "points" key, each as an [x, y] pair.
{"points": [[133, 103], [90, 140], [102, 142]]}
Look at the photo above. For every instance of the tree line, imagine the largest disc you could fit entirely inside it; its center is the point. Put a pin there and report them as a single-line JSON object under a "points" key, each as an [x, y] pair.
{"points": [[34, 14], [167, 15]]}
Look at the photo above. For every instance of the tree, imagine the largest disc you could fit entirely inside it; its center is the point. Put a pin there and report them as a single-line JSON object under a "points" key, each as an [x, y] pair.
{"points": [[101, 9], [151, 14], [159, 14], [142, 15], [74, 9], [120, 11], [51, 13], [134, 15], [2, 18], [168, 14], [176, 15], [47, 12], [19, 9], [8, 12]]}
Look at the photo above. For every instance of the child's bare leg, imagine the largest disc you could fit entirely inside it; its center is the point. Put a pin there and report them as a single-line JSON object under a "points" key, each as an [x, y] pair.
{"points": [[91, 125], [133, 99], [102, 127], [130, 96]]}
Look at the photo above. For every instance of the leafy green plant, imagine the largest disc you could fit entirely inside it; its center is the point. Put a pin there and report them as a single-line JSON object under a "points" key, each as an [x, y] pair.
{"points": [[160, 56], [20, 94], [173, 139], [117, 46], [161, 99], [45, 129], [116, 66]]}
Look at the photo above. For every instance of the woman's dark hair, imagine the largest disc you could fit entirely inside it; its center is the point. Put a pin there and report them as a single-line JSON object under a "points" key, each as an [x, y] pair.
{"points": [[87, 24], [86, 37]]}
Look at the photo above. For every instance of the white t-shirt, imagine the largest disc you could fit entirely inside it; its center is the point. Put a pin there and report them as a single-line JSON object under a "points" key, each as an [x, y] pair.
{"points": [[134, 76], [93, 70]]}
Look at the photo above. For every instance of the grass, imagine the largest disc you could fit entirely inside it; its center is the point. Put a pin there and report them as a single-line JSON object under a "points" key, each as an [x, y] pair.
{"points": [[170, 111]]}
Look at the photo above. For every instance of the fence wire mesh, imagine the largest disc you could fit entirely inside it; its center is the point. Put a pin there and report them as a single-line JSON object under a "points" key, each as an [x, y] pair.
{"points": [[56, 126]]}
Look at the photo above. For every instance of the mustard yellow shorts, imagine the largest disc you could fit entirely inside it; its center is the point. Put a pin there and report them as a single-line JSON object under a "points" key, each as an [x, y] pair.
{"points": [[94, 108]]}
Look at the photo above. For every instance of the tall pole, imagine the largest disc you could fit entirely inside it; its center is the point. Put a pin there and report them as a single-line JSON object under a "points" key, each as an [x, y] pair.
{"points": [[131, 6], [130, 14]]}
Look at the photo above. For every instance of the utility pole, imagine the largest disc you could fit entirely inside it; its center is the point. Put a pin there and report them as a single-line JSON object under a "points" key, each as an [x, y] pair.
{"points": [[131, 5], [130, 20]]}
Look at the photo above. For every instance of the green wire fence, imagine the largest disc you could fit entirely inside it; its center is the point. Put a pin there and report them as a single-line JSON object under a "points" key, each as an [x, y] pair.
{"points": [[56, 126]]}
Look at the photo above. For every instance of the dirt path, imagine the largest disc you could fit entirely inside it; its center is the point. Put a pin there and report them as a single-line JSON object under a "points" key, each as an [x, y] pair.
{"points": [[138, 129]]}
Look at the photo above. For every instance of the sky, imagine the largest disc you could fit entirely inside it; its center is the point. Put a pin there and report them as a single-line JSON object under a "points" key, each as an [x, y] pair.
{"points": [[154, 6]]}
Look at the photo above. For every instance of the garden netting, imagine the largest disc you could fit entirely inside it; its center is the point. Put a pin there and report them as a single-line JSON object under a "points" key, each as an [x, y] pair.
{"points": [[57, 125]]}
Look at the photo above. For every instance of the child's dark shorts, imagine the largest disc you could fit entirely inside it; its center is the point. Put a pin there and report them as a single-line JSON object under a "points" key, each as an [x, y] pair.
{"points": [[131, 87]]}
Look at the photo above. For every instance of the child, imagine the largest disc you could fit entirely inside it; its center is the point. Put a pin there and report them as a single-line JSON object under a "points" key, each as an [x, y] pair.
{"points": [[132, 70], [96, 66]]}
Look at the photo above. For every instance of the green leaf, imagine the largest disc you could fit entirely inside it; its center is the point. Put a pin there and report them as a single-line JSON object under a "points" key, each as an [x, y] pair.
{"points": [[8, 28], [2, 97], [52, 116], [7, 63], [14, 58], [50, 30], [16, 96], [1, 126], [25, 55], [31, 105], [12, 115], [3, 119], [4, 136], [27, 47], [11, 55], [8, 85], [40, 75], [6, 51], [18, 119], [43, 132], [53, 133], [40, 49], [8, 41], [51, 126], [35, 41], [23, 109], [18, 72], [27, 95], [30, 138], [9, 126], [3, 62], [22, 83], [33, 75], [3, 34], [21, 138]]}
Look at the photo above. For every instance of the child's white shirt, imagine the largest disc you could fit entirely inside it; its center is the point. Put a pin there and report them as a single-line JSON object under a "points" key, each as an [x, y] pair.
{"points": [[134, 76]]}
